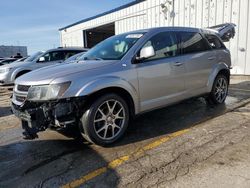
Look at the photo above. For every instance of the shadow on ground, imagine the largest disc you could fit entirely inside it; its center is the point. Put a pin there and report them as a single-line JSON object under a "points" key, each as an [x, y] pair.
{"points": [[171, 119], [5, 111], [35, 163]]}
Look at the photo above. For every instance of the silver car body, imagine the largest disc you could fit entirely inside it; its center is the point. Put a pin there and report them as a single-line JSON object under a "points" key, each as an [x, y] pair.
{"points": [[8, 73], [151, 85], [63, 95]]}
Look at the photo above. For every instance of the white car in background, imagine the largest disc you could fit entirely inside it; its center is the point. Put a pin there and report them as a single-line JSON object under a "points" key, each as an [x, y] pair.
{"points": [[8, 73]]}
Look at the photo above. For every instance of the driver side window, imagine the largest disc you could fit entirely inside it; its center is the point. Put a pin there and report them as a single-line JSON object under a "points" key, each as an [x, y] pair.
{"points": [[165, 45], [52, 56]]}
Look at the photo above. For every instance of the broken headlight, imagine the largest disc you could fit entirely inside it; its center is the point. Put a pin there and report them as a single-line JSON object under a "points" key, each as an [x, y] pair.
{"points": [[47, 92]]}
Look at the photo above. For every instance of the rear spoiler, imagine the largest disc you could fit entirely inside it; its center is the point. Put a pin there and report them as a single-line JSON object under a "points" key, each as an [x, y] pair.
{"points": [[225, 31]]}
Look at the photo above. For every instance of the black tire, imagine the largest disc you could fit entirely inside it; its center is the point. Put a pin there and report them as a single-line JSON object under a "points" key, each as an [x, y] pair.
{"points": [[89, 128], [213, 98]]}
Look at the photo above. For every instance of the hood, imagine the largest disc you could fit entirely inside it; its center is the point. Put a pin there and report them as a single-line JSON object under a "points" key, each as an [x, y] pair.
{"points": [[47, 74], [15, 65]]}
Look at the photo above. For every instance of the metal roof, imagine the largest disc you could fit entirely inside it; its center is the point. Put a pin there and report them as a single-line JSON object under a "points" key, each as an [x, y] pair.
{"points": [[103, 14]]}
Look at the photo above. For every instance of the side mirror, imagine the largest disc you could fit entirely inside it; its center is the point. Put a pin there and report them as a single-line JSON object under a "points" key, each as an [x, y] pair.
{"points": [[146, 53], [41, 59]]}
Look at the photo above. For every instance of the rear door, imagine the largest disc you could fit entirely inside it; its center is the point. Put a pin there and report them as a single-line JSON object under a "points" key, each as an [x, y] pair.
{"points": [[198, 58], [161, 77]]}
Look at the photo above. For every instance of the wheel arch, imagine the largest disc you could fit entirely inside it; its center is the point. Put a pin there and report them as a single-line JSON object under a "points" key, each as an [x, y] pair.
{"points": [[118, 91], [220, 68], [112, 85], [19, 72]]}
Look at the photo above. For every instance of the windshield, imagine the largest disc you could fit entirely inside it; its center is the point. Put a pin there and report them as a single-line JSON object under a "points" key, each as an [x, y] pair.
{"points": [[74, 57], [113, 48], [34, 56]]}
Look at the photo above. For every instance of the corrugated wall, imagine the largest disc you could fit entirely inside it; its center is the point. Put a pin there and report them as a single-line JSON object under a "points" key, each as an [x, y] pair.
{"points": [[204, 13], [194, 13]]}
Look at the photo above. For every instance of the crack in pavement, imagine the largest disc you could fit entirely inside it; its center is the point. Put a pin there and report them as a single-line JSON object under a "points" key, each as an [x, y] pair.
{"points": [[179, 167], [49, 160], [58, 174]]}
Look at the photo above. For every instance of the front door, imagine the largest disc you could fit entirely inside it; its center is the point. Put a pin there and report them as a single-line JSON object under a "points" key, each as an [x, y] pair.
{"points": [[50, 58], [161, 77]]}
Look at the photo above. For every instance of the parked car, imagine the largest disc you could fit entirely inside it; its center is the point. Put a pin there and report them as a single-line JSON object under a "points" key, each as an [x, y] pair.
{"points": [[8, 73], [74, 58], [21, 59], [124, 76], [7, 61]]}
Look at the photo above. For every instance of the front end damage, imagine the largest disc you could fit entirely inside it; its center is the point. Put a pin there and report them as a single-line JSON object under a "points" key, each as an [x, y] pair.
{"points": [[39, 116]]}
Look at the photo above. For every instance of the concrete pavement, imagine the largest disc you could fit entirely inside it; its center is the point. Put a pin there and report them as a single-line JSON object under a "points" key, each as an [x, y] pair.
{"points": [[185, 145]]}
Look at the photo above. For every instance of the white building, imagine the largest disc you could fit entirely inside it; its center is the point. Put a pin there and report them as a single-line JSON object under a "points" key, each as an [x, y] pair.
{"points": [[142, 14]]}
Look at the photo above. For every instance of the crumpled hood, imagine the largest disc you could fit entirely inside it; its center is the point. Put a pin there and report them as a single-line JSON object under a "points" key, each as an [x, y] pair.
{"points": [[47, 74]]}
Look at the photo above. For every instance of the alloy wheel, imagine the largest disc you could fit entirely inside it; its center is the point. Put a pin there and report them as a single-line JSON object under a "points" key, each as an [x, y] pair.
{"points": [[109, 119], [221, 89]]}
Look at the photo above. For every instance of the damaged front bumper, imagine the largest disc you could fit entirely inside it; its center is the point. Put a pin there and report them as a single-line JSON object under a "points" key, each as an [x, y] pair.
{"points": [[39, 116]]}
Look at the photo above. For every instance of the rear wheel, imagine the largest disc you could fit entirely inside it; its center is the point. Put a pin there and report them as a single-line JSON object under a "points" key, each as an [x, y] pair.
{"points": [[219, 91], [106, 120]]}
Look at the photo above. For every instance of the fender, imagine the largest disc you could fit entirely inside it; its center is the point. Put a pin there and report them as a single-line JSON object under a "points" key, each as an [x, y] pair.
{"points": [[16, 71], [107, 82], [215, 70]]}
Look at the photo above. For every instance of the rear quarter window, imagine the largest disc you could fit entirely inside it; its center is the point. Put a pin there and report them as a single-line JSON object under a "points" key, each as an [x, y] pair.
{"points": [[192, 42], [68, 54], [214, 42]]}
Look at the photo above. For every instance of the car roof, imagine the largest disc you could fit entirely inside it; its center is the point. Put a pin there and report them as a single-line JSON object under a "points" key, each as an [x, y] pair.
{"points": [[155, 29], [67, 49]]}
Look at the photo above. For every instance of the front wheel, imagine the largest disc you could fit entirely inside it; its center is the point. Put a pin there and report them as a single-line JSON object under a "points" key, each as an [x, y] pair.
{"points": [[106, 120], [219, 91]]}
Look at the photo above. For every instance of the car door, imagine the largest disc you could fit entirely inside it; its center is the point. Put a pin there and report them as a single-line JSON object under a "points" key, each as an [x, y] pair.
{"points": [[161, 77], [198, 58], [50, 58]]}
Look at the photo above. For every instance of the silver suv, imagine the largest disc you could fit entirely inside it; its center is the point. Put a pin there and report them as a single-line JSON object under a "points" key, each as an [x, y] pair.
{"points": [[8, 73], [122, 77]]}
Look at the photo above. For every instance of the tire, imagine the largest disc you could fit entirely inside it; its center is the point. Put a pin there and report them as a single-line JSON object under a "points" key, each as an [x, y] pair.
{"points": [[219, 91], [105, 120]]}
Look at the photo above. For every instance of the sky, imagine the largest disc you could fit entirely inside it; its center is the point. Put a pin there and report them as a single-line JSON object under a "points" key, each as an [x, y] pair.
{"points": [[35, 23]]}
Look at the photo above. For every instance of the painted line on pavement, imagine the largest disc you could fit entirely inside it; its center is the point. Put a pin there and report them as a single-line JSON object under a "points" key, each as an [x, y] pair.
{"points": [[238, 89], [119, 161]]}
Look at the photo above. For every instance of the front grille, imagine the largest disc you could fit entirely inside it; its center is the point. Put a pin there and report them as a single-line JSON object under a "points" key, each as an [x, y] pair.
{"points": [[20, 93], [23, 88], [20, 99]]}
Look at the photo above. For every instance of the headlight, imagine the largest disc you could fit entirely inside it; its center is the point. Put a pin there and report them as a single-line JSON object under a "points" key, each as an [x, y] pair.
{"points": [[5, 70], [47, 92]]}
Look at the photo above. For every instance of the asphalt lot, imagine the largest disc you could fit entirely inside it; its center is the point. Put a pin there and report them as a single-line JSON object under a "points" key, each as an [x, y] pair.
{"points": [[185, 145]]}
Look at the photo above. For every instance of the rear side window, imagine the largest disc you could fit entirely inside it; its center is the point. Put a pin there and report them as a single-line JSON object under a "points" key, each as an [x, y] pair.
{"points": [[193, 42], [165, 45], [68, 54], [214, 42], [54, 56]]}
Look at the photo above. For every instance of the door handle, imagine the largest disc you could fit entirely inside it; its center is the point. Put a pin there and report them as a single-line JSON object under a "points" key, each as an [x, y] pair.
{"points": [[178, 64], [211, 58]]}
